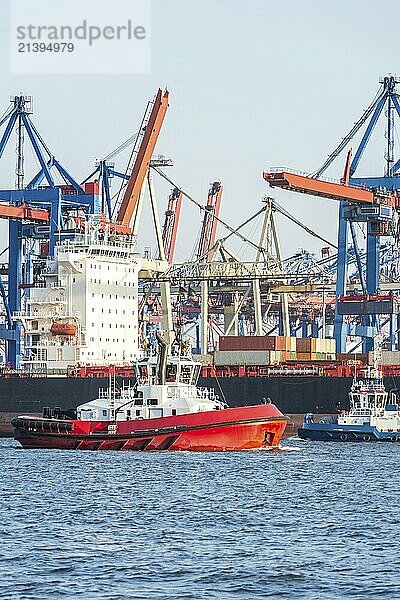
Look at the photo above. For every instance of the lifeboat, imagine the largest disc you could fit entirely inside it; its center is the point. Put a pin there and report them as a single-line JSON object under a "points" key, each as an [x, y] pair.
{"points": [[59, 328]]}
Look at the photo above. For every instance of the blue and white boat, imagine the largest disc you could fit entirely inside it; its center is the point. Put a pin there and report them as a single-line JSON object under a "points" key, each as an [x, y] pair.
{"points": [[374, 414]]}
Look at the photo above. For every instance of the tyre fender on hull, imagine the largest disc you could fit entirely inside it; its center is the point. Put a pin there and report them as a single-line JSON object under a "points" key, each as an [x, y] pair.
{"points": [[343, 437]]}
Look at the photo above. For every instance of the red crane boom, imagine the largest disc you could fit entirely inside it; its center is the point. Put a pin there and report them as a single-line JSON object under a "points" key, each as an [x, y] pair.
{"points": [[142, 161], [8, 211], [209, 227], [318, 187], [171, 223]]}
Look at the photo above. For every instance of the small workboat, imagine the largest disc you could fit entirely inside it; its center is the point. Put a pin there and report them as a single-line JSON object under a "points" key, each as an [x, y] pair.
{"points": [[164, 410], [374, 414]]}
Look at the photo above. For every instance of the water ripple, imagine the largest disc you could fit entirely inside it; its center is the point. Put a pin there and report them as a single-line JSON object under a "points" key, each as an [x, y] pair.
{"points": [[314, 521]]}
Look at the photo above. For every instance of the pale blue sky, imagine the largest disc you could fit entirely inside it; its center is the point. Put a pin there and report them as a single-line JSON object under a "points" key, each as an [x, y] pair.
{"points": [[253, 84]]}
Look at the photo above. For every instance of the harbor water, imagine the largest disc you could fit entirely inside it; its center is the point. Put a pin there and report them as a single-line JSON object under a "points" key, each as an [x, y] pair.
{"points": [[317, 520]]}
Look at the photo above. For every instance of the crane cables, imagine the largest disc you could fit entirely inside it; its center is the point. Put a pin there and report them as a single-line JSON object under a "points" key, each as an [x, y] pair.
{"points": [[234, 231], [289, 216], [349, 136]]}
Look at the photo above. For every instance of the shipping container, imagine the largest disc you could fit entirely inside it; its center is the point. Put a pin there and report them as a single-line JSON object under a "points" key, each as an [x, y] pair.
{"points": [[306, 356], [306, 345], [252, 342], [242, 357], [276, 357], [387, 358], [323, 345], [353, 357]]}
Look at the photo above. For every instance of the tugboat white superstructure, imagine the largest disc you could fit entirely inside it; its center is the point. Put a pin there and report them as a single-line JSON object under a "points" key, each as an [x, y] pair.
{"points": [[373, 416]]}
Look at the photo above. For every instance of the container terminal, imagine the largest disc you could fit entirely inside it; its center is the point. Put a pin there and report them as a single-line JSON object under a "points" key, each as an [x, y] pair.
{"points": [[79, 301]]}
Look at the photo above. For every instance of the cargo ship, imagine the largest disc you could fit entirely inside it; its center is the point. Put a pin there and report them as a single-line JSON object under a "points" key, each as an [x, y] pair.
{"points": [[80, 323]]}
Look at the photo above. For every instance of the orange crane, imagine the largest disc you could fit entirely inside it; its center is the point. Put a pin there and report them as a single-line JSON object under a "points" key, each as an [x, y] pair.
{"points": [[318, 187], [328, 189], [209, 227], [171, 223], [143, 157], [23, 211]]}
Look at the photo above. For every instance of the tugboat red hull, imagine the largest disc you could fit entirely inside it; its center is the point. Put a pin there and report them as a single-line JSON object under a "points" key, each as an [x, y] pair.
{"points": [[245, 428]]}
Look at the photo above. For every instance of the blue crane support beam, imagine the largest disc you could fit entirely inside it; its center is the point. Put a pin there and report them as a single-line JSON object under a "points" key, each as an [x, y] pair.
{"points": [[396, 104], [5, 302], [7, 132], [358, 257], [377, 111], [106, 189], [390, 183], [38, 151], [14, 291], [37, 180], [340, 327], [68, 177], [357, 126]]}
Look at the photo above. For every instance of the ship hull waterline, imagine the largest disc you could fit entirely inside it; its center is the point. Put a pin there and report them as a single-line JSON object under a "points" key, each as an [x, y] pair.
{"points": [[248, 428], [322, 433], [294, 396]]}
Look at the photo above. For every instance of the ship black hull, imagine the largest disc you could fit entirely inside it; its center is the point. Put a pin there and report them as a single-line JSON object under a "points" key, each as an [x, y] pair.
{"points": [[292, 395]]}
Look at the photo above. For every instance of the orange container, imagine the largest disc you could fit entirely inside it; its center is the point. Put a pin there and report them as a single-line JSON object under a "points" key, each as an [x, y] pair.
{"points": [[306, 345]]}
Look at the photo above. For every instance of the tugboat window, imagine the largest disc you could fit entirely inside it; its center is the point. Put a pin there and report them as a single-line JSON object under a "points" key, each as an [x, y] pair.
{"points": [[171, 373], [152, 402], [186, 373], [195, 375], [138, 401], [143, 371]]}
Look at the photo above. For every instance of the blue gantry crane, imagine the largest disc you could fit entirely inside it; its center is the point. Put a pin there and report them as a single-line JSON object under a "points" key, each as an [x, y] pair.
{"points": [[372, 201], [34, 211]]}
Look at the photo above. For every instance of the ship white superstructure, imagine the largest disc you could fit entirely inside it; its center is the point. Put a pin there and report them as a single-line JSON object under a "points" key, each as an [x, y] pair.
{"points": [[89, 293]]}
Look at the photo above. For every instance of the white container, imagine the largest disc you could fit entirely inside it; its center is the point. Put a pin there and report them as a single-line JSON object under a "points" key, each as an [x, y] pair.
{"points": [[231, 358], [389, 358]]}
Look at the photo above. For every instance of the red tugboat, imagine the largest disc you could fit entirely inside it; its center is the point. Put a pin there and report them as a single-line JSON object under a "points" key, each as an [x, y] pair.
{"points": [[163, 411]]}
